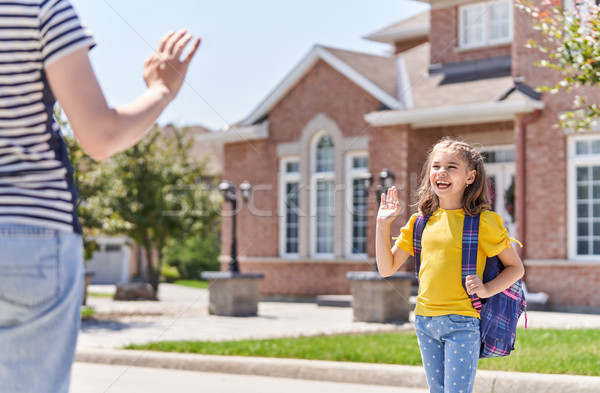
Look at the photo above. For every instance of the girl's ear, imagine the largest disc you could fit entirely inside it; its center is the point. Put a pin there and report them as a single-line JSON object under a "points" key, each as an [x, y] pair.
{"points": [[471, 176]]}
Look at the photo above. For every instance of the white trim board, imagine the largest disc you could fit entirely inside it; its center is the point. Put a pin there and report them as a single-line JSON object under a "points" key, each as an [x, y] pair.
{"points": [[453, 115]]}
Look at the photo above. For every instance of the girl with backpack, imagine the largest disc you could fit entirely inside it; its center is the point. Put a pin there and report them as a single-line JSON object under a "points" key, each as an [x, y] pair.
{"points": [[453, 184]]}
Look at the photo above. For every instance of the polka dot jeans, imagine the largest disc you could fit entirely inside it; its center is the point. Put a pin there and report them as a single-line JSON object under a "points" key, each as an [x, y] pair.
{"points": [[450, 351]]}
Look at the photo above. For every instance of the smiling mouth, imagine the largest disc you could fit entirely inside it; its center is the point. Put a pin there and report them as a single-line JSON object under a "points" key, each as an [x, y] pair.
{"points": [[442, 185]]}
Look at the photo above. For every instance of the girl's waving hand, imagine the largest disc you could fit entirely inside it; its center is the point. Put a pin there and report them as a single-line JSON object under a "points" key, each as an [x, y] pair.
{"points": [[389, 207]]}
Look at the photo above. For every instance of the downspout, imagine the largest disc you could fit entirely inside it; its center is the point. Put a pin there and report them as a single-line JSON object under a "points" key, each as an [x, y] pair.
{"points": [[521, 183]]}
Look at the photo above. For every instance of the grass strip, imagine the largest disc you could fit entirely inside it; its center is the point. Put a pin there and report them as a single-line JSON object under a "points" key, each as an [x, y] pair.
{"points": [[549, 351], [100, 294], [192, 283]]}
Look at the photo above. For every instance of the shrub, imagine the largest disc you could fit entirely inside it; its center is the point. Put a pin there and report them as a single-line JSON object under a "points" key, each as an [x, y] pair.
{"points": [[170, 273], [193, 255]]}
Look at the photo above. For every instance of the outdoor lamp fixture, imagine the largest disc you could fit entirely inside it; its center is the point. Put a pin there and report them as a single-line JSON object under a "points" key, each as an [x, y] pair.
{"points": [[230, 194], [367, 180], [386, 180]]}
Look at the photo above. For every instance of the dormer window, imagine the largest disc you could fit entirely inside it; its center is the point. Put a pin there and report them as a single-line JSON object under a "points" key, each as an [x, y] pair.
{"points": [[485, 24]]}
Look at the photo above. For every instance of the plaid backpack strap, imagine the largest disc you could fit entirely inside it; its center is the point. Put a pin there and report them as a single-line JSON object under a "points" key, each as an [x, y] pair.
{"points": [[420, 223], [469, 254]]}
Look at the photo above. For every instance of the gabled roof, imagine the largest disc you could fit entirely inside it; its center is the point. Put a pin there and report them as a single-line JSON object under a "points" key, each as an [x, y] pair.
{"points": [[407, 29], [374, 74], [437, 102]]}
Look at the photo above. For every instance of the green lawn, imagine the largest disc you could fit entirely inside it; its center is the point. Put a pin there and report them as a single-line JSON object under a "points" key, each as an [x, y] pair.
{"points": [[100, 294], [537, 350], [87, 312], [192, 283]]}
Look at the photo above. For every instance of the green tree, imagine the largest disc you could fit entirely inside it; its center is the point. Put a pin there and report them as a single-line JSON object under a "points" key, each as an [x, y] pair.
{"points": [[571, 47], [151, 193], [193, 255]]}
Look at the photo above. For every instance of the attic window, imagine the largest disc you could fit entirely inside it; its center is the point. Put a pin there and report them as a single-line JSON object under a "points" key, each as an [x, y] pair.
{"points": [[484, 24]]}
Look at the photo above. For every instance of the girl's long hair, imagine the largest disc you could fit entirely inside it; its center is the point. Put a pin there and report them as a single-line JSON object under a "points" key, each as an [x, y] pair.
{"points": [[476, 197]]}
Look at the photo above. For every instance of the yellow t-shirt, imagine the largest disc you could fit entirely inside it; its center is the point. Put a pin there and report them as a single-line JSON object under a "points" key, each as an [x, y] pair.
{"points": [[440, 283]]}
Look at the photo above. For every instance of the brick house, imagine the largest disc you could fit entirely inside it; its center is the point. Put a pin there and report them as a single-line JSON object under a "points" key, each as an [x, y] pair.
{"points": [[460, 69]]}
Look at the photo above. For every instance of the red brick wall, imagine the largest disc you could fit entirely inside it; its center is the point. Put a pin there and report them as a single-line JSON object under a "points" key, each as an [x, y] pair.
{"points": [[256, 162], [444, 43], [567, 284], [546, 190], [303, 278], [388, 148], [545, 154], [322, 90]]}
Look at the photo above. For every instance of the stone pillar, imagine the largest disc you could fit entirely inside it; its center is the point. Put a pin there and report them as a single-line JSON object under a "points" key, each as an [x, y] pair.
{"points": [[233, 294], [380, 299]]}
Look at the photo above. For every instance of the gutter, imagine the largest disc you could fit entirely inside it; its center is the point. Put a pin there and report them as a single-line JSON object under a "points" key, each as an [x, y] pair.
{"points": [[391, 37], [455, 115], [237, 134]]}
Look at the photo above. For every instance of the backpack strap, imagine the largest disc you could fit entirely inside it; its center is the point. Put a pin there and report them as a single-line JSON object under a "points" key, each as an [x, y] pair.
{"points": [[470, 245], [420, 223]]}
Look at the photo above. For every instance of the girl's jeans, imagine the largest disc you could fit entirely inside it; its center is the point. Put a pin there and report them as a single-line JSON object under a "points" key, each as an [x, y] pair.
{"points": [[450, 351], [41, 288]]}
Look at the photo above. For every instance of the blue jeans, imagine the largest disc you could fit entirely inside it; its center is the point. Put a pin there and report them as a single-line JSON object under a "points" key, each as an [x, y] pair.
{"points": [[450, 351], [41, 287]]}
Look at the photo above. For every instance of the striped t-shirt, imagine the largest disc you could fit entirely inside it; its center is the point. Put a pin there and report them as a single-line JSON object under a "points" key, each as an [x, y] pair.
{"points": [[36, 182]]}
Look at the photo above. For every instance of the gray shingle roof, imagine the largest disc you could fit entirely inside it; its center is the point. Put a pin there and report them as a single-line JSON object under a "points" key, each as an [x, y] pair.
{"points": [[380, 70], [429, 91]]}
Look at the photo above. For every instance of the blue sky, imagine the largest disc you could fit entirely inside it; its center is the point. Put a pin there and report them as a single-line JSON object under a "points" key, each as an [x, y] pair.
{"points": [[247, 48]]}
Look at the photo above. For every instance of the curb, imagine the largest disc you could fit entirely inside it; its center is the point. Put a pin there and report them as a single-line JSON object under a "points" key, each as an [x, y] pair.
{"points": [[360, 373]]}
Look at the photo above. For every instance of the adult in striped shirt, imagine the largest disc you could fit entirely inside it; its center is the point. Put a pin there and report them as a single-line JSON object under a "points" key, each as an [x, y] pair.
{"points": [[43, 58]]}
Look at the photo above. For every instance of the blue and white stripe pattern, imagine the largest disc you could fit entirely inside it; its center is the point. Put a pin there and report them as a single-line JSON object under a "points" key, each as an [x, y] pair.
{"points": [[36, 185]]}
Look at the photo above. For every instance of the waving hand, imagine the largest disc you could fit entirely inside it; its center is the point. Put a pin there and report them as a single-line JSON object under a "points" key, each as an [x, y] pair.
{"points": [[389, 207]]}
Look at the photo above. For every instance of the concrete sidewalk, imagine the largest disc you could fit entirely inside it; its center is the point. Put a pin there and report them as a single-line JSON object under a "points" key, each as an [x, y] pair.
{"points": [[102, 378], [182, 314]]}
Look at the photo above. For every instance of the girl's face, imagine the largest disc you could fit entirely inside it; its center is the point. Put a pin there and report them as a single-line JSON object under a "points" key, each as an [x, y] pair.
{"points": [[449, 175]]}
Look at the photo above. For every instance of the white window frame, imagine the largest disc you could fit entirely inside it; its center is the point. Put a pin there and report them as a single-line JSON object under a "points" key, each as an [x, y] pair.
{"points": [[575, 161], [504, 166], [569, 5], [352, 174], [315, 177], [484, 9], [284, 179]]}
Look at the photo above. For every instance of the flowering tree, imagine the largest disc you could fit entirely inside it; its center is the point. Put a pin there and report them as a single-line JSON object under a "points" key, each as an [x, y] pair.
{"points": [[572, 48]]}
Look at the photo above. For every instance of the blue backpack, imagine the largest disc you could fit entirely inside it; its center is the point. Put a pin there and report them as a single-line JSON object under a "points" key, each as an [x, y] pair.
{"points": [[499, 313]]}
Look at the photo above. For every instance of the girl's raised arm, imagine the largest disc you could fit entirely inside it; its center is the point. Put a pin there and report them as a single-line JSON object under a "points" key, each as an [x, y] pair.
{"points": [[388, 259]]}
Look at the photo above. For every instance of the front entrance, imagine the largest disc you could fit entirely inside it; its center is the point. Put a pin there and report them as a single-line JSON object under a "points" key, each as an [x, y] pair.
{"points": [[500, 168]]}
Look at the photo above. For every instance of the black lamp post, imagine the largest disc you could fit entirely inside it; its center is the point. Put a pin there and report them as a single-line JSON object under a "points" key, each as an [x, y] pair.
{"points": [[230, 195], [386, 180]]}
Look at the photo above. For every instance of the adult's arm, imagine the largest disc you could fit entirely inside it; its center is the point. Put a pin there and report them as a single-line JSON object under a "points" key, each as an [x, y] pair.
{"points": [[101, 130]]}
